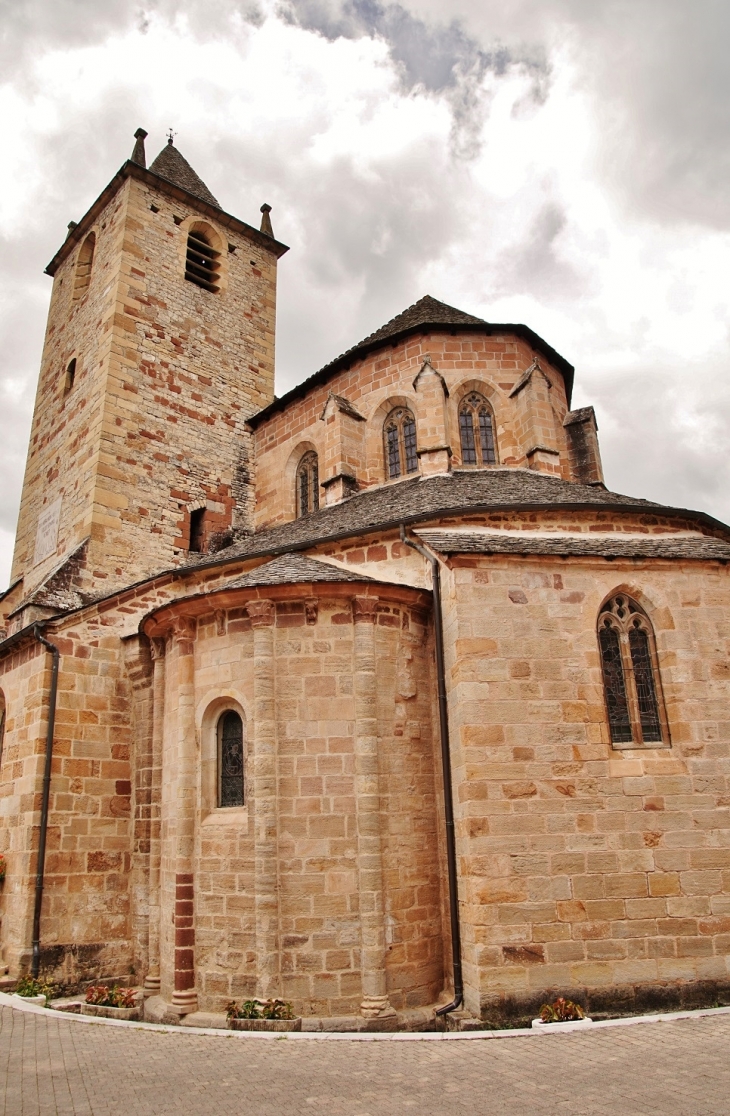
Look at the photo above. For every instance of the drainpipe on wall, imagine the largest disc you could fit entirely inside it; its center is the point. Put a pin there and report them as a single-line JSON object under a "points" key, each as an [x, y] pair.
{"points": [[36, 950], [446, 766]]}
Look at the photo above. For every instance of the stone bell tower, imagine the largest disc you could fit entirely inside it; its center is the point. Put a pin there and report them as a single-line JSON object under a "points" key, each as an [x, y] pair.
{"points": [[159, 345]]}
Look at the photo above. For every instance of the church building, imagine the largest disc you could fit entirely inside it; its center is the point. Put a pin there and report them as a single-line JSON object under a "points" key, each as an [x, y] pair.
{"points": [[372, 697]]}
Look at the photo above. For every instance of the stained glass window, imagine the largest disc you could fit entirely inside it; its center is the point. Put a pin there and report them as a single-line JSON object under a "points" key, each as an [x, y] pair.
{"points": [[615, 686], [230, 759], [307, 486], [401, 448], [476, 431], [644, 678], [631, 682]]}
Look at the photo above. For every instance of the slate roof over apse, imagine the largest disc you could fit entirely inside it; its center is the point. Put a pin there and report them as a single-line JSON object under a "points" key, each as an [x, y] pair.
{"points": [[423, 498], [174, 168], [292, 569], [425, 314], [572, 546]]}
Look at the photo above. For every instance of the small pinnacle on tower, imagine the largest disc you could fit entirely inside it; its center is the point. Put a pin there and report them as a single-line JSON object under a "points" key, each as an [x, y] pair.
{"points": [[138, 155], [266, 227]]}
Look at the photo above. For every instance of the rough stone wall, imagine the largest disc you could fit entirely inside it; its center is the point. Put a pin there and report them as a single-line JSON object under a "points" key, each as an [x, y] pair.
{"points": [[586, 870], [166, 375], [65, 436], [85, 928], [315, 960], [383, 380]]}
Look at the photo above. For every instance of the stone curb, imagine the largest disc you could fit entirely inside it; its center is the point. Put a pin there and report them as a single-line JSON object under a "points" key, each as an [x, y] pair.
{"points": [[387, 1036]]}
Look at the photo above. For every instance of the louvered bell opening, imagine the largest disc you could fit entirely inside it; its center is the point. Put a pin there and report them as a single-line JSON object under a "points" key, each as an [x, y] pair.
{"points": [[201, 263]]}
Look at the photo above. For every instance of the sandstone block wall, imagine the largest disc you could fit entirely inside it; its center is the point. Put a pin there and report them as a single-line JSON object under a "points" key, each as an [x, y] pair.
{"points": [[582, 868], [167, 373], [526, 424], [315, 960]]}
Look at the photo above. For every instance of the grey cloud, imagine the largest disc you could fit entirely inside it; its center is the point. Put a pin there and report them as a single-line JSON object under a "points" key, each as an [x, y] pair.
{"points": [[534, 264], [433, 55], [359, 240]]}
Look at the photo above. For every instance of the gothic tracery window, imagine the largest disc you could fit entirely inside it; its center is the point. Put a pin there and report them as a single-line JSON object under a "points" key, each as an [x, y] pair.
{"points": [[476, 431], [400, 443], [631, 682], [230, 759], [307, 484]]}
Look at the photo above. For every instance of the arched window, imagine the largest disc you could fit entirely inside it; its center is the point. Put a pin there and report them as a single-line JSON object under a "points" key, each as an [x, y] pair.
{"points": [[631, 682], [201, 261], [400, 443], [230, 759], [307, 482], [476, 431], [69, 378], [84, 264]]}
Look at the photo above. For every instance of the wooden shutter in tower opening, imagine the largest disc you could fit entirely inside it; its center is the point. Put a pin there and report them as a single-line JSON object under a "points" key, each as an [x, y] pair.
{"points": [[201, 263]]}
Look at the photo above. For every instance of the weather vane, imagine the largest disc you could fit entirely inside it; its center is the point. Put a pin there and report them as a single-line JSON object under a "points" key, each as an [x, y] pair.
{"points": [[170, 136]]}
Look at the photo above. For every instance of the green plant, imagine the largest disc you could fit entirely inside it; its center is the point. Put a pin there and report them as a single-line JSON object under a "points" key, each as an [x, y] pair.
{"points": [[277, 1009], [3, 867], [259, 1009], [104, 996], [561, 1011], [30, 986]]}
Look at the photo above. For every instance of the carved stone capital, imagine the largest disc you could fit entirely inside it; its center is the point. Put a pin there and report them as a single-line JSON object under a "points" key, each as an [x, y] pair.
{"points": [[364, 610], [183, 634], [157, 649], [262, 614]]}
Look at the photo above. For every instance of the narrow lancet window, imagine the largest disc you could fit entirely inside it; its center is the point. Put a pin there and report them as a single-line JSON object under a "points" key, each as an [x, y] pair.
{"points": [[476, 431], [70, 377], [400, 443], [202, 261], [631, 683], [230, 760], [307, 484], [197, 530]]}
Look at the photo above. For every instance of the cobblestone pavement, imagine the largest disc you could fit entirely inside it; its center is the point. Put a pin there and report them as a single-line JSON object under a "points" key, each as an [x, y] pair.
{"points": [[55, 1067]]}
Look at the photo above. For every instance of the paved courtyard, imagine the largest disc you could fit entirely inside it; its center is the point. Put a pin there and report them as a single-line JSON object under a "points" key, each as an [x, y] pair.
{"points": [[54, 1066]]}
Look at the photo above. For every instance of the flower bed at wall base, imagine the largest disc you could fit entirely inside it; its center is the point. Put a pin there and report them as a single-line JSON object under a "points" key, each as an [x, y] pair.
{"points": [[101, 995], [259, 1009], [28, 987], [561, 1011]]}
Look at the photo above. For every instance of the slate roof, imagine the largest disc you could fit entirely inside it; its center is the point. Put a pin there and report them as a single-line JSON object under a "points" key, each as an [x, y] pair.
{"points": [[426, 313], [424, 498], [291, 569], [174, 168], [619, 546]]}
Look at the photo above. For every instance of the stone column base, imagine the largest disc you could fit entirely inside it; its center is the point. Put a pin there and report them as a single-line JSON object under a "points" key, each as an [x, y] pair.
{"points": [[184, 1002], [377, 1007], [151, 985]]}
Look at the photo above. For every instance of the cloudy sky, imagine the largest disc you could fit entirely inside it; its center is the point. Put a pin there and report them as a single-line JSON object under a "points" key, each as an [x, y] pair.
{"points": [[563, 163]]}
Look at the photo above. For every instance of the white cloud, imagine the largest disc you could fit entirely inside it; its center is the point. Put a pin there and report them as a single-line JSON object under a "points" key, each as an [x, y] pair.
{"points": [[555, 163]]}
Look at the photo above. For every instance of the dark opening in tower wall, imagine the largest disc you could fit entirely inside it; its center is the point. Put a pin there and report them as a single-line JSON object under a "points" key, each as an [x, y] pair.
{"points": [[197, 530], [70, 376], [201, 261]]}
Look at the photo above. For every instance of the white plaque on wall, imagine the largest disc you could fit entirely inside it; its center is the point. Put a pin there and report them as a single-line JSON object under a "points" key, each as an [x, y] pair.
{"points": [[46, 539]]}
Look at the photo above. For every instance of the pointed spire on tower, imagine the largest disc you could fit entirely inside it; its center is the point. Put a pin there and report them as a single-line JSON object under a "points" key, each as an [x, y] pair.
{"points": [[266, 226], [175, 168], [138, 155]]}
